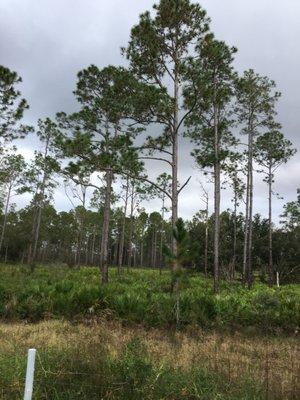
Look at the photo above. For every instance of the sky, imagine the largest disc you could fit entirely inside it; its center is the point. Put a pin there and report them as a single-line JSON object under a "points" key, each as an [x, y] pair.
{"points": [[48, 41]]}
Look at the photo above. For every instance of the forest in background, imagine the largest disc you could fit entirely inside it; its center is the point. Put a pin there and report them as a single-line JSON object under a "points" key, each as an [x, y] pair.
{"points": [[180, 81]]}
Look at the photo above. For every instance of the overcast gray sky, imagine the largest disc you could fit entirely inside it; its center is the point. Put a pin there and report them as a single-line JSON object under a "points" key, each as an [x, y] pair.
{"points": [[48, 41]]}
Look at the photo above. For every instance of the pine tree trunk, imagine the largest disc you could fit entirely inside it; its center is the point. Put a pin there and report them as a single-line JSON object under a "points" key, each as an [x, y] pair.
{"points": [[246, 231], [206, 239], [36, 234], [5, 216], [142, 253], [175, 165], [250, 222], [122, 238], [105, 229], [217, 196], [248, 216], [40, 206], [93, 247], [6, 254], [161, 235], [271, 269], [155, 245], [129, 260], [87, 251], [234, 237]]}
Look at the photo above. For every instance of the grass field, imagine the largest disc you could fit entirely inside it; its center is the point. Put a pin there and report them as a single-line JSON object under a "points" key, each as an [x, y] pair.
{"points": [[120, 341], [110, 361]]}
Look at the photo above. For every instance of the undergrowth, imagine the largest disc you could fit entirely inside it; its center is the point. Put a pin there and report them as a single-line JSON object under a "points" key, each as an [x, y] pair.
{"points": [[144, 297]]}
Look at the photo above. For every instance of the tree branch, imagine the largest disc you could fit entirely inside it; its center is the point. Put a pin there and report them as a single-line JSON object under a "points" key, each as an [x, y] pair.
{"points": [[184, 185], [155, 158]]}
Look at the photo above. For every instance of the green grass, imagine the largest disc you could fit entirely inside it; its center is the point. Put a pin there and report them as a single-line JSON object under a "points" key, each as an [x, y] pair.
{"points": [[144, 297]]}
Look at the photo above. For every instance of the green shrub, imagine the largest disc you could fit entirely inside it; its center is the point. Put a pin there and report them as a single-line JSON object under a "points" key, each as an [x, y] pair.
{"points": [[143, 296]]}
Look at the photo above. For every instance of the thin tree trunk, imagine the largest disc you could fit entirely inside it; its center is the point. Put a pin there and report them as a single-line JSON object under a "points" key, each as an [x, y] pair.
{"points": [[206, 238], [175, 165], [93, 247], [105, 229], [162, 235], [217, 195], [5, 216], [37, 233], [234, 237], [142, 253], [250, 222], [122, 238], [134, 258], [246, 228], [87, 251], [43, 255], [155, 240], [131, 227], [40, 206], [6, 254], [271, 269]]}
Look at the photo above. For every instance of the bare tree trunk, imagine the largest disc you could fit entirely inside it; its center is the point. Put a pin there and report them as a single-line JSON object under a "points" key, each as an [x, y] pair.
{"points": [[87, 251], [5, 215], [271, 268], [234, 236], [35, 208], [131, 227], [43, 255], [175, 165], [246, 231], [250, 222], [155, 243], [37, 233], [105, 229], [122, 238], [217, 228], [76, 253], [6, 254], [40, 206], [93, 247], [161, 235], [206, 235], [217, 195], [134, 258], [142, 253]]}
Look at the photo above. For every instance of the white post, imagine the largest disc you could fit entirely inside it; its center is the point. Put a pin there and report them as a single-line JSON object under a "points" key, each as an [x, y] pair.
{"points": [[29, 374]]}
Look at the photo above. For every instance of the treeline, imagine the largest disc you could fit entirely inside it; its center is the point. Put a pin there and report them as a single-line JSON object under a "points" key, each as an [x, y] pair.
{"points": [[180, 81], [74, 238]]}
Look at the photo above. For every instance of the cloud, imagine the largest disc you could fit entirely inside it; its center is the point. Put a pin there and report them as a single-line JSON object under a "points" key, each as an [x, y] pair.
{"points": [[47, 42]]}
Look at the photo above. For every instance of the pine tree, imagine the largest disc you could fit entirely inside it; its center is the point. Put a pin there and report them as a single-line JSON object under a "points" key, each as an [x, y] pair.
{"points": [[12, 107], [210, 92], [97, 138], [255, 108], [11, 180], [157, 51], [271, 151]]}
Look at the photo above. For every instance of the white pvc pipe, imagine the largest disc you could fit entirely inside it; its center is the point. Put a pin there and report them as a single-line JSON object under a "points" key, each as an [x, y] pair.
{"points": [[29, 374]]}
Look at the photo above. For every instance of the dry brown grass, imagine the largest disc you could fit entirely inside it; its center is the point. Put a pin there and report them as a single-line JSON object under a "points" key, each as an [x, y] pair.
{"points": [[275, 362]]}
